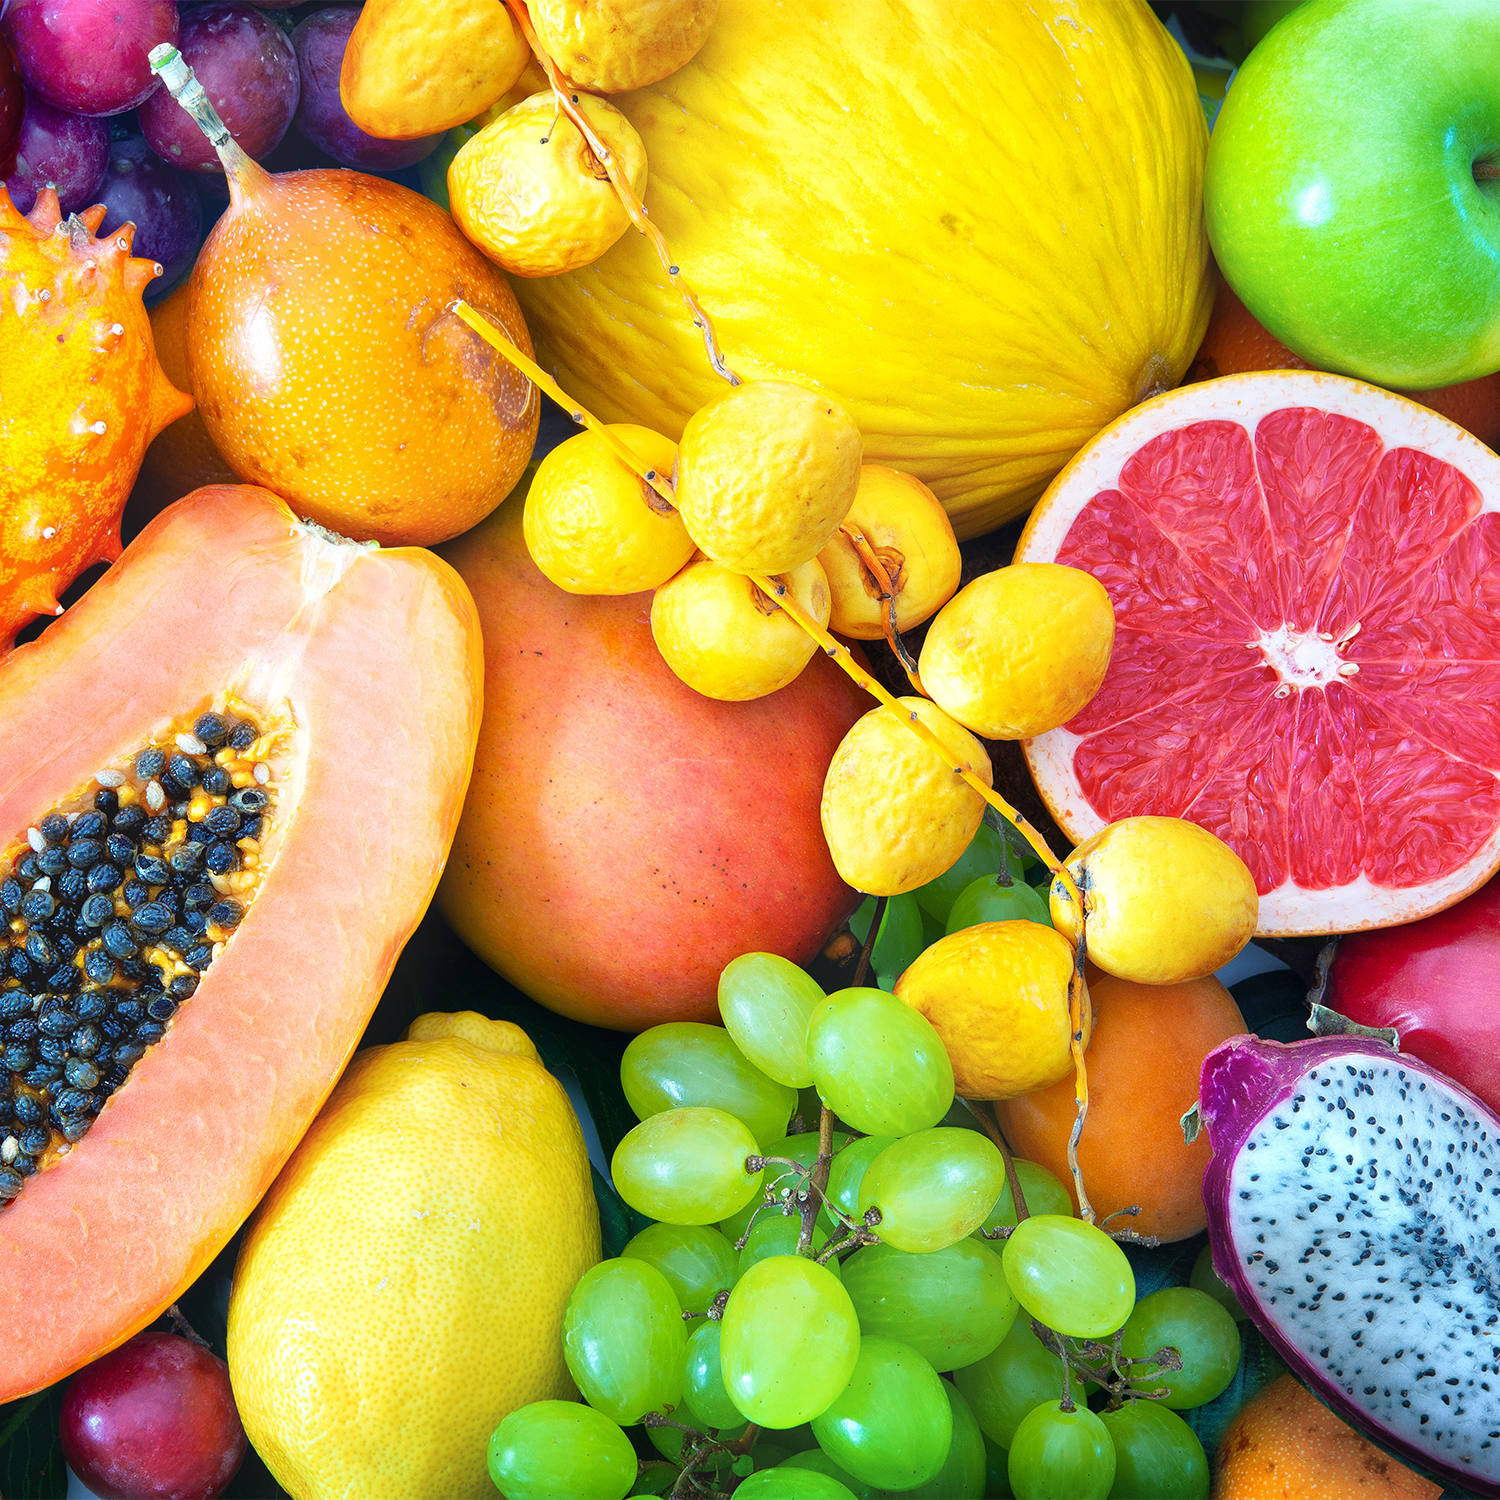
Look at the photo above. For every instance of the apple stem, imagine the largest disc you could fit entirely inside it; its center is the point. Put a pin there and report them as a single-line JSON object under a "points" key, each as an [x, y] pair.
{"points": [[1486, 171], [182, 83]]}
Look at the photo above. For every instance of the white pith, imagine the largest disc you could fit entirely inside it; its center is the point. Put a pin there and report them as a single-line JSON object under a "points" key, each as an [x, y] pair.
{"points": [[1304, 658], [1289, 909], [1365, 1210]]}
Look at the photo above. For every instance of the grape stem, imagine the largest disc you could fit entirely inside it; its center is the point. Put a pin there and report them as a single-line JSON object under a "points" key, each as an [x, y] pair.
{"points": [[1105, 1364], [992, 1129], [699, 1447], [818, 1184], [869, 945]]}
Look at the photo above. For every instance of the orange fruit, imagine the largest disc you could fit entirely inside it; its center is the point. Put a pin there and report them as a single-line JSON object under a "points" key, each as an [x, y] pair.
{"points": [[1236, 342], [1148, 1046], [1286, 1445]]}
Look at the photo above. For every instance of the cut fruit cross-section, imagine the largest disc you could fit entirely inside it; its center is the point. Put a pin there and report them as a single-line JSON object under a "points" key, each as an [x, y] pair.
{"points": [[1305, 572]]}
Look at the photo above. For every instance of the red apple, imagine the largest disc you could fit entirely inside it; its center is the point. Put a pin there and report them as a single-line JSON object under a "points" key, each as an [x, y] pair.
{"points": [[624, 838], [1437, 981]]}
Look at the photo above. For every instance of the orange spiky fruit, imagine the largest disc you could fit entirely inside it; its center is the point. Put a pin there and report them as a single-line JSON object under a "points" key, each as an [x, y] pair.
{"points": [[81, 395]]}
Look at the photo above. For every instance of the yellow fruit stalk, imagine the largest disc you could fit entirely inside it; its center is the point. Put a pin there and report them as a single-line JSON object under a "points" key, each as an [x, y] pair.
{"points": [[402, 1286]]}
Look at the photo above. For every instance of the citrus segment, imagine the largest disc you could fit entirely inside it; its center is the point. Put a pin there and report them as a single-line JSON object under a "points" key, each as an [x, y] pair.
{"points": [[1305, 573]]}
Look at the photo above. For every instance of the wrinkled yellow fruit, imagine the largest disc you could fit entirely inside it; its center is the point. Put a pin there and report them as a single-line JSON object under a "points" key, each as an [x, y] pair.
{"points": [[611, 46], [725, 639], [1020, 650], [411, 68], [594, 526], [533, 80], [402, 1286], [1166, 900], [532, 195], [910, 533], [997, 994], [894, 814], [765, 473]]}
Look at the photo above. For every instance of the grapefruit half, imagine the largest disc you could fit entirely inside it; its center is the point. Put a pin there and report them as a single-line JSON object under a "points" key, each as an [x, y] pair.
{"points": [[1305, 572]]}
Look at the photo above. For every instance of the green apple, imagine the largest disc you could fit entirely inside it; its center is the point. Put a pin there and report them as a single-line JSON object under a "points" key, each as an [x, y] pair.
{"points": [[1349, 194]]}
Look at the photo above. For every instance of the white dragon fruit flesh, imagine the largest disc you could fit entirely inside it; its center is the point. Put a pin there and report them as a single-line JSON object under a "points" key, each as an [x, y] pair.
{"points": [[1354, 1208]]}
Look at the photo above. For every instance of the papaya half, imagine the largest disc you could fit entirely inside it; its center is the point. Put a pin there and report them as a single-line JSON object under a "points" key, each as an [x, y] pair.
{"points": [[229, 778]]}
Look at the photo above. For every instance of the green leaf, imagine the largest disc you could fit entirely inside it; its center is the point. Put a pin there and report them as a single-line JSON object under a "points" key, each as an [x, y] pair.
{"points": [[743, 1465], [31, 1456], [619, 1223]]}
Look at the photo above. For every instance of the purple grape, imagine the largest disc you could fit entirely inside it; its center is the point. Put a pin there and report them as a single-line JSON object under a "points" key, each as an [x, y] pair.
{"points": [[69, 151], [247, 65], [160, 201], [321, 117], [88, 56]]}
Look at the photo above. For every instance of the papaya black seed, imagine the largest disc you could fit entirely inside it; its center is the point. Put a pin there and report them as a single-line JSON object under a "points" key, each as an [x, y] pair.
{"points": [[221, 858], [99, 966], [120, 849], [26, 867], [149, 1031], [42, 1075], [212, 729], [161, 1008], [181, 988], [22, 1029], [250, 828], [153, 870], [14, 1003], [128, 1011], [104, 878], [77, 1128], [11, 896], [52, 861], [39, 950], [18, 1056], [118, 942], [107, 801], [96, 909], [242, 736], [53, 828], [88, 825], [85, 1041], [186, 858], [129, 821], [72, 886], [37, 906], [64, 979], [91, 1006], [136, 892], [249, 800], [149, 764], [183, 772], [156, 831], [227, 914], [216, 781], [198, 895], [199, 957], [222, 822], [11, 1183], [33, 1140]]}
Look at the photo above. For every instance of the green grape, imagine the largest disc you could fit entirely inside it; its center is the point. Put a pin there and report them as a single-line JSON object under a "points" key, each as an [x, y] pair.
{"points": [[789, 1339], [878, 1064], [553, 1448], [1003, 1386], [683, 1064], [624, 1340], [1043, 1193], [1206, 1279], [1069, 1275], [986, 900], [697, 1261], [765, 1001], [819, 1463], [996, 1472], [686, 1166], [783, 1483], [984, 856], [899, 940], [963, 1473], [703, 1392], [1199, 1329], [953, 1306], [1061, 1455], [1157, 1455], [932, 1188], [849, 1167], [891, 1424], [802, 1149], [777, 1234]]}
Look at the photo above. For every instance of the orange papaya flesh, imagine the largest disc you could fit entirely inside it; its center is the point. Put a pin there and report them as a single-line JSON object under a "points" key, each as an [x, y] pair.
{"points": [[361, 669], [81, 395]]}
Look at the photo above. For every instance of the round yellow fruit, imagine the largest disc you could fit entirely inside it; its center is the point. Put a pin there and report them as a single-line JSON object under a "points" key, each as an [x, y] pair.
{"points": [[1020, 650], [613, 45], [402, 1285], [911, 535], [997, 994], [532, 195], [894, 814], [765, 473], [1166, 901], [721, 635], [594, 526]]}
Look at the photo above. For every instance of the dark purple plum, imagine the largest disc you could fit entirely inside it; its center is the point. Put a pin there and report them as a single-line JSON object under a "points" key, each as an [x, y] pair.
{"points": [[321, 117], [245, 62], [162, 202], [88, 56], [69, 151], [12, 104]]}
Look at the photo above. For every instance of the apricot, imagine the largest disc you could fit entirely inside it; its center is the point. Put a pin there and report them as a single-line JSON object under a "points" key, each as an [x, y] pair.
{"points": [[611, 46]]}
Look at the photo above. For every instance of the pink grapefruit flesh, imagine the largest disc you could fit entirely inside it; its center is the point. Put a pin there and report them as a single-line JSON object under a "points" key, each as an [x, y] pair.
{"points": [[1305, 572]]}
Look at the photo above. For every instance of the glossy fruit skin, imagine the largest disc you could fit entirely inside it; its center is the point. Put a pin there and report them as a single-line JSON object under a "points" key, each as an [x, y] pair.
{"points": [[153, 1418], [160, 201], [625, 1340], [445, 424], [1157, 1455], [1398, 261], [548, 1443], [687, 1166], [64, 481], [697, 1261], [68, 151], [622, 44], [712, 807], [1007, 1384], [145, 1224], [1062, 1455], [932, 1188], [703, 1382], [765, 1002], [89, 56], [1069, 1275], [1199, 1328]]}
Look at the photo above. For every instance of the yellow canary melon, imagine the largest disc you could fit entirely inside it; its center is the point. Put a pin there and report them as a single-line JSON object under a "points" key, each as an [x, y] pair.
{"points": [[978, 226]]}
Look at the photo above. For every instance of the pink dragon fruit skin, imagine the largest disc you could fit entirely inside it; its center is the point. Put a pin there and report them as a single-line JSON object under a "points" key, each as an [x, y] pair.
{"points": [[1353, 1204]]}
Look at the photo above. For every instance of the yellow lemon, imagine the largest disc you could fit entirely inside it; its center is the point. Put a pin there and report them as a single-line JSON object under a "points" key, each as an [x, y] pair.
{"points": [[402, 1286], [1166, 900], [911, 535], [997, 994], [594, 526], [895, 816], [532, 195], [765, 474], [725, 639], [614, 45], [1020, 650]]}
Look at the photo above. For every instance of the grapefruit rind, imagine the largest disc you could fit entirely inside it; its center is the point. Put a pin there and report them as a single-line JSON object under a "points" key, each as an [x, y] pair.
{"points": [[1297, 658]]}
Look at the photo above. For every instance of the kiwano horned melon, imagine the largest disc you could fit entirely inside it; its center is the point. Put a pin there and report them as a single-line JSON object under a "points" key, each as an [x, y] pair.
{"points": [[977, 225], [228, 781]]}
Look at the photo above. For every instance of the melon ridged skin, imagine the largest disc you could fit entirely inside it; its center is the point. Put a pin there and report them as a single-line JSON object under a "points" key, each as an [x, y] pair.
{"points": [[383, 671], [1242, 1082], [977, 226]]}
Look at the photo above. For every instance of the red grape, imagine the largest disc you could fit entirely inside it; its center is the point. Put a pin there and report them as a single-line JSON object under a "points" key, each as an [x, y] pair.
{"points": [[153, 1420], [88, 56], [12, 102], [246, 64], [160, 201], [69, 151]]}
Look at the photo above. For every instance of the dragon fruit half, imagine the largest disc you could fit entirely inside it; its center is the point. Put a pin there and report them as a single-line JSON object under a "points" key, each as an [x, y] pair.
{"points": [[1354, 1208]]}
